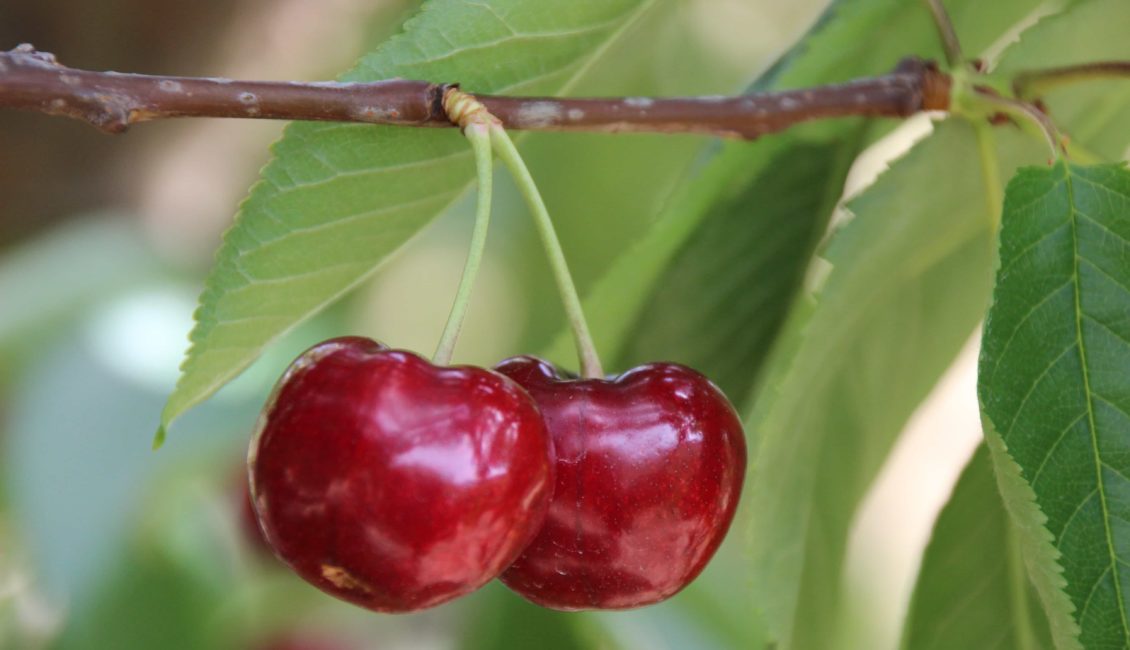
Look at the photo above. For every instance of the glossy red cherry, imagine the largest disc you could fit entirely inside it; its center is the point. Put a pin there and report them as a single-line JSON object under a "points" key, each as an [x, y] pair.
{"points": [[649, 470], [395, 484]]}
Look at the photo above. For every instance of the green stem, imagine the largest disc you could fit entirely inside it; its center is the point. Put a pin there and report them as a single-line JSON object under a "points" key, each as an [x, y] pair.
{"points": [[479, 136], [1034, 83], [586, 349], [990, 173], [976, 103], [950, 45], [1081, 154]]}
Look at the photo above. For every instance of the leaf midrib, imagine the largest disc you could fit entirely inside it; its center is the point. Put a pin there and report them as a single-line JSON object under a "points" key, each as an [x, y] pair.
{"points": [[1085, 370]]}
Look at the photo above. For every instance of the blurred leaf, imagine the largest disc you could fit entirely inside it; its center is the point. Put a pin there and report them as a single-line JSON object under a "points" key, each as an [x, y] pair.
{"points": [[644, 309], [385, 20], [76, 459], [77, 462], [338, 198], [1095, 114], [909, 282], [973, 590], [710, 193], [1055, 375], [718, 305], [152, 602], [864, 37], [169, 583], [617, 185], [502, 619], [51, 278]]}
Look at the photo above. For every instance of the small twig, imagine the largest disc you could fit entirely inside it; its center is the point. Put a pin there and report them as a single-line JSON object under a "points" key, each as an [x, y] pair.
{"points": [[950, 45], [1027, 114], [1031, 84], [112, 101]]}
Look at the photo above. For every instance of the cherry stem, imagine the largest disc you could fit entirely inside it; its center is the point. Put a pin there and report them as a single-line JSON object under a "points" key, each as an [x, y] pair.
{"points": [[586, 349], [479, 136]]}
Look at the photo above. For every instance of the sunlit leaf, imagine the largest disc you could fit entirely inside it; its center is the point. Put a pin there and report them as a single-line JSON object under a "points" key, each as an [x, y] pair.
{"points": [[637, 286], [910, 280], [648, 306], [337, 198]]}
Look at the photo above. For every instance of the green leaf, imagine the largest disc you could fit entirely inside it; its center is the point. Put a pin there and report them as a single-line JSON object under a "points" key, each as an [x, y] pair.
{"points": [[722, 298], [973, 590], [1034, 540], [73, 265], [337, 199], [909, 282], [1095, 114], [853, 38], [616, 302], [640, 307], [150, 602], [502, 619], [1055, 375]]}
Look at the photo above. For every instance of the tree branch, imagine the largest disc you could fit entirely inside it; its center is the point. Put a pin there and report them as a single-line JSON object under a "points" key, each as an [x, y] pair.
{"points": [[112, 101]]}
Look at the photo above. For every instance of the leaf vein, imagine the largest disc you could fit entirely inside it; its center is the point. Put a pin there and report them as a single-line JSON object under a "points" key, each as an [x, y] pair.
{"points": [[1035, 384], [1055, 445], [1085, 369]]}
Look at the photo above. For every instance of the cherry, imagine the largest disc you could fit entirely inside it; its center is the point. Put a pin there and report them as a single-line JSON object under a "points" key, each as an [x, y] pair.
{"points": [[649, 470], [395, 484]]}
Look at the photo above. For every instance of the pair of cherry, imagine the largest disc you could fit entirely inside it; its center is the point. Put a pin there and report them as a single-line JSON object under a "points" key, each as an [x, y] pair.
{"points": [[397, 485]]}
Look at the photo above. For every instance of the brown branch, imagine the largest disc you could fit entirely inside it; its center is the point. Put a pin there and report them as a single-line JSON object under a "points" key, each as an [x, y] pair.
{"points": [[112, 101]]}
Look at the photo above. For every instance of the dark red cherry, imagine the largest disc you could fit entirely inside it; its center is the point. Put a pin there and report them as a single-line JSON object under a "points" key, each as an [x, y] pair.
{"points": [[649, 469], [395, 484]]}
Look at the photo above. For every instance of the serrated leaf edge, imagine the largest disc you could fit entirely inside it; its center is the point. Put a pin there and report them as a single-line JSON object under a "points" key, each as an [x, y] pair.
{"points": [[1036, 542], [174, 408]]}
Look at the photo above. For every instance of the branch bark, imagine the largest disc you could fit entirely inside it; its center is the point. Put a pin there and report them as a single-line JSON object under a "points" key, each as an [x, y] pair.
{"points": [[112, 101]]}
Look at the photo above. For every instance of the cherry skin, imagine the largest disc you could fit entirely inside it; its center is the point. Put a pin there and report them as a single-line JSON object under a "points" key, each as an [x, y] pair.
{"points": [[650, 466], [395, 484]]}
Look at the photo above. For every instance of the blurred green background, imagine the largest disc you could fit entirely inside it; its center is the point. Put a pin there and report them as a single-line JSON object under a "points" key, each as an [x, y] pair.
{"points": [[104, 243]]}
